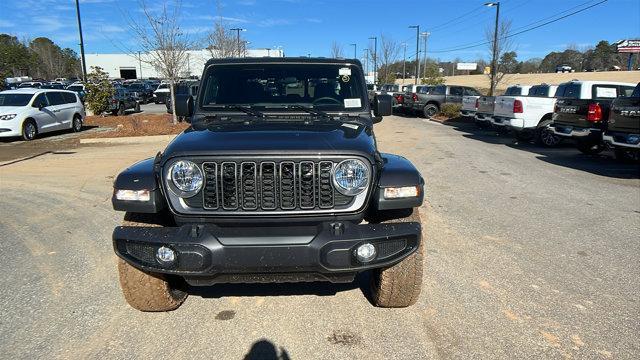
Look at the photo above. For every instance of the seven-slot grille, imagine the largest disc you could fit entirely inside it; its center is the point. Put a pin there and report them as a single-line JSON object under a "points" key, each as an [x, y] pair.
{"points": [[247, 186]]}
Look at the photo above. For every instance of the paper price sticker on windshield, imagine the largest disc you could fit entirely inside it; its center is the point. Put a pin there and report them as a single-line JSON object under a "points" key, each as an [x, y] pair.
{"points": [[352, 103], [344, 71]]}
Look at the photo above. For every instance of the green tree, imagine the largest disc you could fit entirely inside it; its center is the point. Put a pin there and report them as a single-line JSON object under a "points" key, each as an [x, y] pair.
{"points": [[14, 57], [433, 76], [99, 90], [508, 62]]}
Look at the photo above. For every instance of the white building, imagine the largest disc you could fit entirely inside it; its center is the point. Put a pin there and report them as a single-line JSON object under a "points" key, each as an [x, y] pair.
{"points": [[128, 66]]}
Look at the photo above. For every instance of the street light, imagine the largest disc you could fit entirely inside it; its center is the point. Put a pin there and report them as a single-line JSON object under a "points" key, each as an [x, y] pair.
{"points": [[425, 35], [495, 47], [404, 61], [237, 30], [417, 27], [355, 50], [366, 61], [375, 57], [84, 63]]}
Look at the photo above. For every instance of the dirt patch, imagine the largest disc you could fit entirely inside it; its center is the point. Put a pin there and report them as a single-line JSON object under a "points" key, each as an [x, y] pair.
{"points": [[133, 125], [447, 120]]}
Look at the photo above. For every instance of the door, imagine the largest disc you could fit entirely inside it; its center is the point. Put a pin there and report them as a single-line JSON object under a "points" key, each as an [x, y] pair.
{"points": [[455, 95], [63, 109], [45, 118]]}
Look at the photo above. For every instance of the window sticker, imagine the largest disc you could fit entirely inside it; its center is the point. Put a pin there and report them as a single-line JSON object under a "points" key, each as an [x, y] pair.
{"points": [[344, 71], [606, 92], [346, 78], [352, 103]]}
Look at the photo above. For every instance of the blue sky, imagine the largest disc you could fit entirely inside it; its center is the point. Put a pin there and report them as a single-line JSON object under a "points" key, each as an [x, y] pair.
{"points": [[304, 27]]}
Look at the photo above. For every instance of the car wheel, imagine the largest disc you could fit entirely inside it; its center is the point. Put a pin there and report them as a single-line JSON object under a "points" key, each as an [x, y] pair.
{"points": [[137, 107], [121, 109], [76, 124], [590, 148], [29, 130], [400, 285], [148, 291], [430, 110], [546, 137]]}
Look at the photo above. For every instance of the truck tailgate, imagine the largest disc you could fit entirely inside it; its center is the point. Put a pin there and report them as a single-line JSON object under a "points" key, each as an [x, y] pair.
{"points": [[485, 104], [625, 115], [504, 106], [469, 103], [572, 112]]}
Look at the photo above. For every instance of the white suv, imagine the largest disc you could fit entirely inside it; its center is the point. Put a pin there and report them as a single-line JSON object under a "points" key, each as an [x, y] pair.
{"points": [[29, 112]]}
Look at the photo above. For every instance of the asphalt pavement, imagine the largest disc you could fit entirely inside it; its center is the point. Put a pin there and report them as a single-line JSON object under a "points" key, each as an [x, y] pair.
{"points": [[530, 253]]}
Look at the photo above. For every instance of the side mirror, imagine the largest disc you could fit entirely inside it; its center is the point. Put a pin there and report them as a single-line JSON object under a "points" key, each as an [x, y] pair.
{"points": [[382, 105], [184, 105]]}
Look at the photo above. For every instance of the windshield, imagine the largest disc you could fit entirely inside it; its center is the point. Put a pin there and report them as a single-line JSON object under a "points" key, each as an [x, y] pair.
{"points": [[15, 99], [75, 88], [328, 86], [163, 86]]}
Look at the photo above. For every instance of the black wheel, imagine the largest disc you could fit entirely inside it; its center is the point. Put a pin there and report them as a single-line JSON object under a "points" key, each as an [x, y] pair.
{"points": [[545, 137], [120, 111], [137, 107], [399, 285], [76, 124], [590, 148], [626, 154], [29, 130], [143, 290], [430, 110]]}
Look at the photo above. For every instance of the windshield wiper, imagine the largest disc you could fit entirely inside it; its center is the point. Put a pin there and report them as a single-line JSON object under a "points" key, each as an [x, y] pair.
{"points": [[310, 110], [245, 109]]}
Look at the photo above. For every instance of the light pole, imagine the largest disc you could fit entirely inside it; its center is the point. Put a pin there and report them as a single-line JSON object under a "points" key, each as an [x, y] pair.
{"points": [[404, 61], [495, 47], [366, 61], [375, 58], [245, 47], [237, 30], [425, 35], [417, 27], [355, 50], [84, 63]]}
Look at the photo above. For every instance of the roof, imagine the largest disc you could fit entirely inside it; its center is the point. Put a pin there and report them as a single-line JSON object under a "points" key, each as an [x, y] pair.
{"points": [[283, 60], [591, 82], [31, 91]]}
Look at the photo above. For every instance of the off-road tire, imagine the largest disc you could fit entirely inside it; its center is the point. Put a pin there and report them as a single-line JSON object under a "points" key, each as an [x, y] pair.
{"points": [[121, 110], [430, 110], [400, 285], [28, 133], [143, 290], [545, 137]]}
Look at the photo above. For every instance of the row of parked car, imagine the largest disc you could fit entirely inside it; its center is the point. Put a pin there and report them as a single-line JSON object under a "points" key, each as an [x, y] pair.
{"points": [[594, 115]]}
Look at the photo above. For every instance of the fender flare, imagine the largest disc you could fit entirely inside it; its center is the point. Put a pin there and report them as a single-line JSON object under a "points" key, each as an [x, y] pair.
{"points": [[397, 171]]}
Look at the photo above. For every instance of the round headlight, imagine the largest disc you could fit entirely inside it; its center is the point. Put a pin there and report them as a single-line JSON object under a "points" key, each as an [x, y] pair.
{"points": [[187, 178], [351, 177]]}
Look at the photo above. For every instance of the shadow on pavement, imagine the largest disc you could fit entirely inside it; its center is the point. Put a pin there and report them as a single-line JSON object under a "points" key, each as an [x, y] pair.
{"points": [[266, 350]]}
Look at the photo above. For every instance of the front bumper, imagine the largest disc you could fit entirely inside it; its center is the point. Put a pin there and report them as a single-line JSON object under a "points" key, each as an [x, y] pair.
{"points": [[10, 128], [208, 254], [626, 140]]}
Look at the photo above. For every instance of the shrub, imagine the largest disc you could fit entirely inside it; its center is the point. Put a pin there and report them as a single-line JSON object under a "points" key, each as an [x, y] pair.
{"points": [[450, 110], [99, 90]]}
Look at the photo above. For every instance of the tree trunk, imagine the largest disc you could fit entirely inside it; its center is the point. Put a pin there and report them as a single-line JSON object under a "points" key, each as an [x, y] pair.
{"points": [[172, 85]]}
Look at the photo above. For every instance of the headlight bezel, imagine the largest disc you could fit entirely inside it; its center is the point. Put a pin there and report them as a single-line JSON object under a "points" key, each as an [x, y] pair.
{"points": [[7, 117], [175, 188], [355, 191]]}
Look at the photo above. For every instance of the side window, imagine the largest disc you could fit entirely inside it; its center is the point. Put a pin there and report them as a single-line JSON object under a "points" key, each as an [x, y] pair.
{"points": [[69, 98], [40, 101], [604, 91], [438, 90], [455, 91], [626, 91], [55, 98], [636, 92], [471, 92]]}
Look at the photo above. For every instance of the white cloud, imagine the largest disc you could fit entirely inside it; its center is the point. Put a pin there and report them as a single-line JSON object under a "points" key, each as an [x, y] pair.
{"points": [[6, 24], [273, 22]]}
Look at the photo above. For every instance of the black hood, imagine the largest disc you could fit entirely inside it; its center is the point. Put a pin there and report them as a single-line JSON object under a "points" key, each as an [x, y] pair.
{"points": [[274, 138]]}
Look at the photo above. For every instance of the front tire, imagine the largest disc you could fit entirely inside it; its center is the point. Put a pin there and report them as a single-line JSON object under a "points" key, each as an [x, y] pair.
{"points": [[29, 130], [146, 291], [400, 285]]}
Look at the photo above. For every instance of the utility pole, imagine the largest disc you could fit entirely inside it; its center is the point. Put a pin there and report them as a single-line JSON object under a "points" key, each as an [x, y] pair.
{"points": [[495, 48], [82, 58], [237, 30], [404, 62], [355, 50], [140, 64], [375, 58], [366, 62], [417, 27], [425, 35]]}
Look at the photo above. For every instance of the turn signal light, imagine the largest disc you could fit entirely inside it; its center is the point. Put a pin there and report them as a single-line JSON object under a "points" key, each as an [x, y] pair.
{"points": [[517, 107]]}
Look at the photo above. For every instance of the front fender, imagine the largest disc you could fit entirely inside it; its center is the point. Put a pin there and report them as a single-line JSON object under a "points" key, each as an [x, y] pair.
{"points": [[397, 171], [139, 176]]}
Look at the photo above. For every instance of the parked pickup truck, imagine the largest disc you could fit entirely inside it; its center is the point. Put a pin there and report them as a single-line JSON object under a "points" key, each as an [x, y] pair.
{"points": [[469, 105], [484, 112], [582, 110], [515, 90], [410, 96], [394, 91], [429, 103], [528, 116], [623, 129]]}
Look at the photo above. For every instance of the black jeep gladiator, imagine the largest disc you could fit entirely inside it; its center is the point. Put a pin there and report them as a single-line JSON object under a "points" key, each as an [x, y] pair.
{"points": [[278, 179]]}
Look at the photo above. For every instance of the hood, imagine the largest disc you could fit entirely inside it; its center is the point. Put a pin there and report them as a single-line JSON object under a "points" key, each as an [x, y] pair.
{"points": [[11, 109], [277, 139]]}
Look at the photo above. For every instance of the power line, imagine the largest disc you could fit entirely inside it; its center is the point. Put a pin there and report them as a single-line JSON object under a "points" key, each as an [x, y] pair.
{"points": [[435, 28], [473, 45]]}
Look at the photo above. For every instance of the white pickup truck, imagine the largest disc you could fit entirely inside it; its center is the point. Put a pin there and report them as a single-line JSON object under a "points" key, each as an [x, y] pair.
{"points": [[516, 90], [528, 116]]}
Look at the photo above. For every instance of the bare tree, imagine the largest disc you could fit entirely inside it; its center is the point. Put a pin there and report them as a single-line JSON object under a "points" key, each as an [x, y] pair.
{"points": [[164, 45], [222, 42], [499, 47], [336, 50], [389, 50]]}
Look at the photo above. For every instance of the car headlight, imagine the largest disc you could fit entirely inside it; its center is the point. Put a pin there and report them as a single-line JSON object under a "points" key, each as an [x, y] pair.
{"points": [[351, 177], [187, 177], [7, 116]]}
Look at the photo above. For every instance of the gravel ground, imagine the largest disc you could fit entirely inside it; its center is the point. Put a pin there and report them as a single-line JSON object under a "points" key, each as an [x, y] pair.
{"points": [[530, 254]]}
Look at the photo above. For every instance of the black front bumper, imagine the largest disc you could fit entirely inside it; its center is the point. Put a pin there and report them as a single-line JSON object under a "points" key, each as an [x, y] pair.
{"points": [[208, 254]]}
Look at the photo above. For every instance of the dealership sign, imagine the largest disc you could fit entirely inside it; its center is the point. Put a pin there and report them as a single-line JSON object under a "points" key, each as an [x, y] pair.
{"points": [[628, 46], [466, 66]]}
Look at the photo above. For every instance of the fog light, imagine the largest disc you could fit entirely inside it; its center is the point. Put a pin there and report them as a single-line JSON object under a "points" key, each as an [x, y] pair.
{"points": [[165, 255], [365, 252]]}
